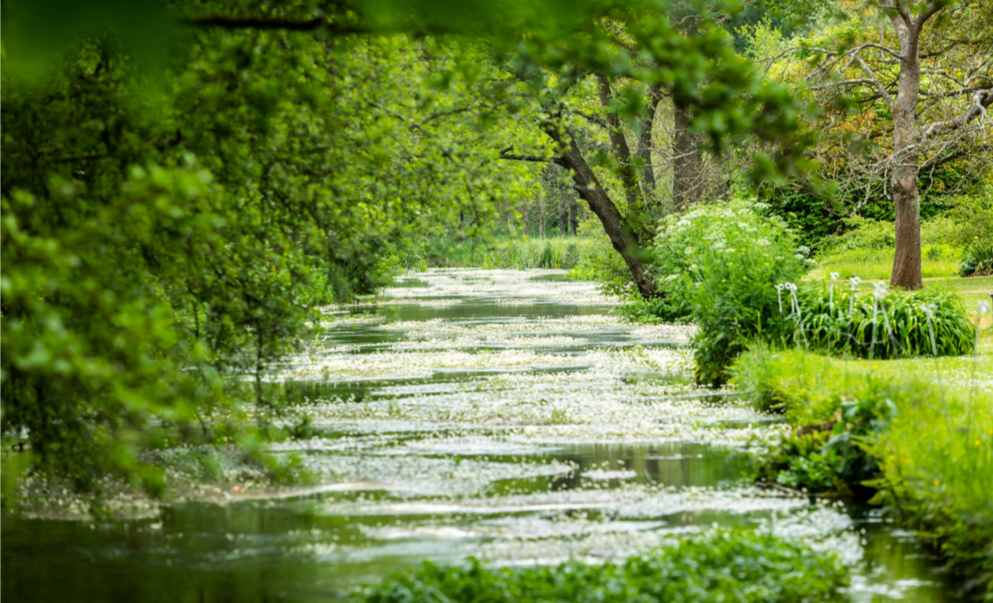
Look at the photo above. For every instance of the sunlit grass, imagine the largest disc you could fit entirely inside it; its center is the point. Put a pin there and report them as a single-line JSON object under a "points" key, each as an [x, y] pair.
{"points": [[880, 267], [935, 448]]}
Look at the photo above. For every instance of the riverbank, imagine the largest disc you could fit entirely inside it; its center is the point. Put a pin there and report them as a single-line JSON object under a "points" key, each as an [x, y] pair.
{"points": [[915, 433]]}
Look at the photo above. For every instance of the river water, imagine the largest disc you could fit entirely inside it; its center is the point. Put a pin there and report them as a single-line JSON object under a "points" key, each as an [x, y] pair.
{"points": [[507, 415]]}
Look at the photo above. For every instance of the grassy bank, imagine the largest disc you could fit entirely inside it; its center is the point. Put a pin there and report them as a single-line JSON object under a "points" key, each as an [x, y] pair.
{"points": [[718, 566], [513, 253], [918, 432]]}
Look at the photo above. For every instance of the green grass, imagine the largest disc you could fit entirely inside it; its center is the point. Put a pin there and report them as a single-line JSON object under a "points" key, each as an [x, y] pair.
{"points": [[878, 266], [743, 566], [514, 253], [925, 429]]}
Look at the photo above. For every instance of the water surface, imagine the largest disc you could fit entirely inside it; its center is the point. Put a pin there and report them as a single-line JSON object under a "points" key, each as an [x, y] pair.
{"points": [[506, 415]]}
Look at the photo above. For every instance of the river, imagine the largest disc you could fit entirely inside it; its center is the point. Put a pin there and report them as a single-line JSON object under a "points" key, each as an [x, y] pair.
{"points": [[507, 415]]}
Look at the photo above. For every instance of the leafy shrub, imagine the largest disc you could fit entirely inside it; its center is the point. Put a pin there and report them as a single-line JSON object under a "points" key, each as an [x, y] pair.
{"points": [[721, 566], [894, 325], [973, 217], [978, 259], [723, 262], [656, 310]]}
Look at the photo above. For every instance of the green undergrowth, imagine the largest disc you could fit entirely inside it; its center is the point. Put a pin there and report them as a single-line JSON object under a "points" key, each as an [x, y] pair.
{"points": [[978, 259], [866, 249], [562, 253], [916, 433], [718, 566]]}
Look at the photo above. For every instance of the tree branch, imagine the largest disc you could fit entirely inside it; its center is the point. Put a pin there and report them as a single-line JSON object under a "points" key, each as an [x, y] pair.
{"points": [[875, 80], [506, 154]]}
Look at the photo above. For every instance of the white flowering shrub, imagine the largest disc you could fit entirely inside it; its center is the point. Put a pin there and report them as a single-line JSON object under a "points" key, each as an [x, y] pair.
{"points": [[723, 263]]}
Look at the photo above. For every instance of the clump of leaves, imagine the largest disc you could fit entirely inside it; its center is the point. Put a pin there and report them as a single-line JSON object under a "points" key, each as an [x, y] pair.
{"points": [[928, 322], [724, 263], [978, 259], [719, 566]]}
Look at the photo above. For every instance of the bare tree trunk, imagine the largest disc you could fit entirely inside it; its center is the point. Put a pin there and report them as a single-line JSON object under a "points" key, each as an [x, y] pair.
{"points": [[687, 164], [903, 181], [541, 217], [573, 218]]}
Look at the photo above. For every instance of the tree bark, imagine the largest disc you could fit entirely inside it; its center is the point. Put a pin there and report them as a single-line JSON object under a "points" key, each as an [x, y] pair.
{"points": [[573, 217], [564, 218], [627, 240], [903, 180], [645, 145], [687, 164]]}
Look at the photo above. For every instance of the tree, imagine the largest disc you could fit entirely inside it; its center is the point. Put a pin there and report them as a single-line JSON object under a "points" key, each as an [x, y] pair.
{"points": [[931, 78]]}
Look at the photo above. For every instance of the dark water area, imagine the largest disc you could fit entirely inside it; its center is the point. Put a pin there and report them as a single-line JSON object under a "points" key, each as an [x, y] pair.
{"points": [[571, 441]]}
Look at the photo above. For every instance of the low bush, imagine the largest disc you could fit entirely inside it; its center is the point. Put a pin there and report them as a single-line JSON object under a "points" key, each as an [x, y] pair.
{"points": [[978, 259], [720, 566]]}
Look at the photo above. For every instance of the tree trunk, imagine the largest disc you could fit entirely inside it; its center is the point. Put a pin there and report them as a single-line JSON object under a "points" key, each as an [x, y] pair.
{"points": [[626, 240], [903, 180], [564, 218], [687, 164], [541, 217], [573, 217], [621, 151], [645, 145]]}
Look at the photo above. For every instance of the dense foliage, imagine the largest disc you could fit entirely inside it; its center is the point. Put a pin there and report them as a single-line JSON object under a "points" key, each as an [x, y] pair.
{"points": [[740, 566], [159, 240], [722, 264]]}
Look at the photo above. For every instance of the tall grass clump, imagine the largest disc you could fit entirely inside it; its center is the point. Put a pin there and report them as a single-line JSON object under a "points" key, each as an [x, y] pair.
{"points": [[724, 262], [745, 566], [881, 324]]}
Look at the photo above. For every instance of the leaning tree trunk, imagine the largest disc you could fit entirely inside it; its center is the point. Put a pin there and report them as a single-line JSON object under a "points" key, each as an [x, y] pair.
{"points": [[626, 239], [903, 181]]}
